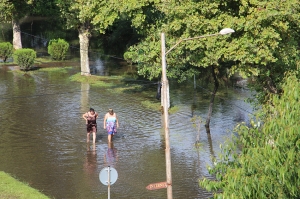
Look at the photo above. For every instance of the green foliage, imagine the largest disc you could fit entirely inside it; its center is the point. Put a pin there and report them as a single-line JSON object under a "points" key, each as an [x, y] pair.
{"points": [[58, 48], [264, 46], [24, 58], [45, 8], [269, 44], [267, 165], [180, 20], [14, 9], [6, 50], [85, 13]]}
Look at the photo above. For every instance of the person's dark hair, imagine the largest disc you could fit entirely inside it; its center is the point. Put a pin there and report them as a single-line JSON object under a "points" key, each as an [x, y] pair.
{"points": [[91, 109], [111, 111]]}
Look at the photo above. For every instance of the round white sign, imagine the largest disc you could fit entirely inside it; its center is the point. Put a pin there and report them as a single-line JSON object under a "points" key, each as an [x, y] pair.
{"points": [[103, 175]]}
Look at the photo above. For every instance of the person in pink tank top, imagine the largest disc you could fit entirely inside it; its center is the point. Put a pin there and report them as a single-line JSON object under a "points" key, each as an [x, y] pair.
{"points": [[91, 124]]}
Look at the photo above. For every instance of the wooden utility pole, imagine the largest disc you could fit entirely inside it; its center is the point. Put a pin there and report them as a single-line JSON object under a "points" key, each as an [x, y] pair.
{"points": [[165, 90]]}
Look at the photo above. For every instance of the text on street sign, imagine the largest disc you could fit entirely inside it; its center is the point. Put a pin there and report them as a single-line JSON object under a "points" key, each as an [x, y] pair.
{"points": [[158, 185]]}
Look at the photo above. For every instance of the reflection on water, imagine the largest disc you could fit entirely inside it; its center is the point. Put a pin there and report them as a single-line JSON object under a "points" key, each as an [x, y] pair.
{"points": [[90, 165], [111, 156], [98, 68], [43, 137]]}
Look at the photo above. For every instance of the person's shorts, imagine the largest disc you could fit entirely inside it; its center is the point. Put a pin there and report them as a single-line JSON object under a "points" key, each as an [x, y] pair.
{"points": [[111, 133], [91, 128]]}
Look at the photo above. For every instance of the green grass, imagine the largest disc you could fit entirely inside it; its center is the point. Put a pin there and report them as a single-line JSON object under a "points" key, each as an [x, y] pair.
{"points": [[48, 59], [173, 109], [43, 59], [50, 70], [151, 105], [55, 69], [11, 188], [121, 88], [156, 106], [98, 81], [114, 84]]}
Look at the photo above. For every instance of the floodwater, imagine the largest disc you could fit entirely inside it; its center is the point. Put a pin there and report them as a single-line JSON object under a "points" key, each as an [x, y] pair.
{"points": [[43, 136]]}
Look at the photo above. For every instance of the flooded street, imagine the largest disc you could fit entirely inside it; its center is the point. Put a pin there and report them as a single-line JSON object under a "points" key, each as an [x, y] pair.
{"points": [[43, 135]]}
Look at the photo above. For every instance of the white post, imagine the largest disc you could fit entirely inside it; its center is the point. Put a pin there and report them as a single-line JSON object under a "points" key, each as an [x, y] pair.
{"points": [[165, 102], [165, 89], [108, 186]]}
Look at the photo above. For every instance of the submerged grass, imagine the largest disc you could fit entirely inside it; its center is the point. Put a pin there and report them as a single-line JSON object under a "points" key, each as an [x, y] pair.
{"points": [[151, 105], [115, 84], [43, 59], [52, 69], [173, 109], [157, 106], [56, 69], [11, 188], [99, 81]]}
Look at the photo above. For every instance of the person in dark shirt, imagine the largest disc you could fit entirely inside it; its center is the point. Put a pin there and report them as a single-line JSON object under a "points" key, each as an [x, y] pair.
{"points": [[91, 124]]}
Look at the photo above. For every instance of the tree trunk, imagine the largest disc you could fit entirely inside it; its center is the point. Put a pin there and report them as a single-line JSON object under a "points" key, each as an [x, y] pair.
{"points": [[212, 99], [271, 86], [84, 38], [17, 41]]}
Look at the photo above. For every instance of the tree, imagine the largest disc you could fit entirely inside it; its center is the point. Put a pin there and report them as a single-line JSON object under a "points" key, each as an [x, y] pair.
{"points": [[12, 11], [180, 21], [264, 46], [267, 44], [267, 166], [85, 16]]}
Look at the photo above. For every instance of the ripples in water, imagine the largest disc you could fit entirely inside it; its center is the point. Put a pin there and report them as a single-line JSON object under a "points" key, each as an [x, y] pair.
{"points": [[43, 139]]}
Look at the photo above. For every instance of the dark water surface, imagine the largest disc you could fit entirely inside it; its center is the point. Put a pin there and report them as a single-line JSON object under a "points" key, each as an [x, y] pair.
{"points": [[43, 137]]}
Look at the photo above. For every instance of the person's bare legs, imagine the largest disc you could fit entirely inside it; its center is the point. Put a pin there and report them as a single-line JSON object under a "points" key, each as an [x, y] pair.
{"points": [[109, 138], [94, 137], [88, 137]]}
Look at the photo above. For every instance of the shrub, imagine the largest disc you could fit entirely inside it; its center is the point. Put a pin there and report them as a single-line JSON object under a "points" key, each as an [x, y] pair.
{"points": [[6, 50], [58, 48], [24, 58], [267, 166]]}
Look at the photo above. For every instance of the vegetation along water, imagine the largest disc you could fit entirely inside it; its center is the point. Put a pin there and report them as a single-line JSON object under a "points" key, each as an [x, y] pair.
{"points": [[64, 56]]}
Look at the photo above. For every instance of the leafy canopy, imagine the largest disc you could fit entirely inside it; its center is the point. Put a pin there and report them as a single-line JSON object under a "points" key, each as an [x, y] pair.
{"points": [[16, 9], [94, 14], [265, 43]]}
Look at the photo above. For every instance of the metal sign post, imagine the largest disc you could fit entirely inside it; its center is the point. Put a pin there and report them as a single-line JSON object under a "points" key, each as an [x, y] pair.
{"points": [[108, 176], [108, 182]]}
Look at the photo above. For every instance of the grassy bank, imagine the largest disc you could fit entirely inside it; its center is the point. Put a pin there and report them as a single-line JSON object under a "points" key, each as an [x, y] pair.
{"points": [[11, 188]]}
